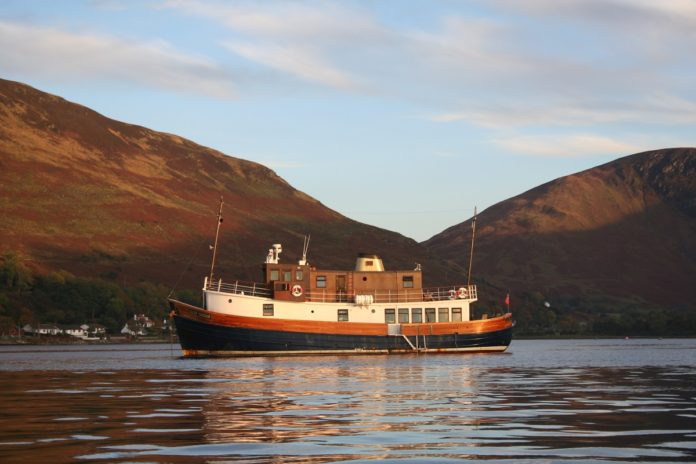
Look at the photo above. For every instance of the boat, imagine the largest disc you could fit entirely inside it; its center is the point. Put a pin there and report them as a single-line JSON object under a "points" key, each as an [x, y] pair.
{"points": [[299, 309]]}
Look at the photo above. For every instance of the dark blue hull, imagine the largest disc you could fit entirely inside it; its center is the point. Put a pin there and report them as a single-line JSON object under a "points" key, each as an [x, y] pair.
{"points": [[199, 338]]}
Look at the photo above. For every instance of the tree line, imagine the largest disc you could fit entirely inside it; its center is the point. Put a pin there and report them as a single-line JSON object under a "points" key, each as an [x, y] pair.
{"points": [[62, 298], [593, 315]]}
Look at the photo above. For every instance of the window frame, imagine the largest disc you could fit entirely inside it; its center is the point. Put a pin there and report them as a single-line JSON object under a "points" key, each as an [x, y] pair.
{"points": [[390, 312], [430, 312], [416, 312], [342, 315], [403, 312], [268, 310]]}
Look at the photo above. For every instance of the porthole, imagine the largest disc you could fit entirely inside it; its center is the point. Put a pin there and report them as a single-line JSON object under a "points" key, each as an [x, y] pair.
{"points": [[364, 279], [230, 300], [373, 311]]}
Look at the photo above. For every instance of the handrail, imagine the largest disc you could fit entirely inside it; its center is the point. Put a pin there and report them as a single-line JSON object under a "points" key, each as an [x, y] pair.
{"points": [[239, 288], [455, 292]]}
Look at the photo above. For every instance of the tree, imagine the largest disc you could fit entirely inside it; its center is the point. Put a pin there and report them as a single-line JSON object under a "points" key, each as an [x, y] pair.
{"points": [[14, 275]]}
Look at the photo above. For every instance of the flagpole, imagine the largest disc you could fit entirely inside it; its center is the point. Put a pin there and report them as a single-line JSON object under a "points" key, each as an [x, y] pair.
{"points": [[471, 253]]}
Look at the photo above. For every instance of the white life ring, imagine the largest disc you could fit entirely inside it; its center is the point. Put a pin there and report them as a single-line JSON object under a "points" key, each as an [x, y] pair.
{"points": [[296, 290], [452, 294], [463, 292]]}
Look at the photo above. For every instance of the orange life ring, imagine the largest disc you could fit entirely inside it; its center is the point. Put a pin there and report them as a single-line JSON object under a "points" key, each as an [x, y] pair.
{"points": [[463, 292], [296, 290]]}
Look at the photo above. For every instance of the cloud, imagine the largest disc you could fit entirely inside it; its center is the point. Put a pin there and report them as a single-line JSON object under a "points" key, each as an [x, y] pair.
{"points": [[59, 54], [662, 110], [298, 39], [574, 145], [298, 61]]}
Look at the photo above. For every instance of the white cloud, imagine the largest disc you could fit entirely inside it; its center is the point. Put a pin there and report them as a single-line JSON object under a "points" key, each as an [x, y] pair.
{"points": [[574, 145], [65, 55], [300, 62], [295, 38], [660, 110]]}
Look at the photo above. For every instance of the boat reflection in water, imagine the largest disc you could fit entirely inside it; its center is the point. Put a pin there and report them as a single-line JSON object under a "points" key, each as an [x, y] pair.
{"points": [[570, 401]]}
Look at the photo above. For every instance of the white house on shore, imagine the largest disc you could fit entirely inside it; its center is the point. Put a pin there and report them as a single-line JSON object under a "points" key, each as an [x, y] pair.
{"points": [[83, 331]]}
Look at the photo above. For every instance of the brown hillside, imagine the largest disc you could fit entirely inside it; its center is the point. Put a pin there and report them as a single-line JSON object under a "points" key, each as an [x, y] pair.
{"points": [[85, 193], [625, 229]]}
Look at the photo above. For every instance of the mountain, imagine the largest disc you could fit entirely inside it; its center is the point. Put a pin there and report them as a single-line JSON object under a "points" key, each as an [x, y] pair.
{"points": [[99, 197], [623, 230]]}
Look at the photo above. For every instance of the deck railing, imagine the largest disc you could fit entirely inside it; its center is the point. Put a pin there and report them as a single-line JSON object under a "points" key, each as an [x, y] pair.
{"points": [[239, 288], [366, 297], [396, 296]]}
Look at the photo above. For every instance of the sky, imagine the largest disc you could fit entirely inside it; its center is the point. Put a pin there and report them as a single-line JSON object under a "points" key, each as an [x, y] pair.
{"points": [[402, 114]]}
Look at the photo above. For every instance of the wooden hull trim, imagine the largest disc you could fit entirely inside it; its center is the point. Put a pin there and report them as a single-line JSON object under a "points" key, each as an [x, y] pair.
{"points": [[194, 313], [206, 333]]}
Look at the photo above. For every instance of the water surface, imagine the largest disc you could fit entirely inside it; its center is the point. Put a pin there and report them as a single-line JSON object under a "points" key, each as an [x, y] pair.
{"points": [[543, 401]]}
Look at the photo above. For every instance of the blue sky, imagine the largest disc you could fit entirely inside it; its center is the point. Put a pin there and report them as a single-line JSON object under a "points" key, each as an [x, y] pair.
{"points": [[401, 114]]}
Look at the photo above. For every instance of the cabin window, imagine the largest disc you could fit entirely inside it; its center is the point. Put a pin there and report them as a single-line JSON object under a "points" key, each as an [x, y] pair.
{"points": [[403, 315], [389, 316], [369, 263], [443, 314], [275, 274], [282, 287], [416, 315], [456, 314], [299, 275], [268, 309], [287, 276], [321, 281], [342, 315], [429, 314], [408, 281]]}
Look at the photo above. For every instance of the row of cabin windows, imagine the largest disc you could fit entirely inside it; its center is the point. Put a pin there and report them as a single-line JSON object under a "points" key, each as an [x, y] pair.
{"points": [[287, 275], [321, 281], [268, 311], [415, 315]]}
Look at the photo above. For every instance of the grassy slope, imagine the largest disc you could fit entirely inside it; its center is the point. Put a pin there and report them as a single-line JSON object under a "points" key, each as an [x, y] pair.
{"points": [[82, 192]]}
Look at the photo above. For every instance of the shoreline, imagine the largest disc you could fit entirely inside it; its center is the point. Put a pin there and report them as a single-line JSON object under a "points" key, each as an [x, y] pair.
{"points": [[53, 340]]}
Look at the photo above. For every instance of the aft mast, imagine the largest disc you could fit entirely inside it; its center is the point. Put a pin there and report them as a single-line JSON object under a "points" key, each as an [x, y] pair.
{"points": [[471, 253]]}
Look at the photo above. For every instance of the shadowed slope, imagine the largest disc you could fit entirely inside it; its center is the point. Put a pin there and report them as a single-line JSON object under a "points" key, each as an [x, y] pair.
{"points": [[625, 229]]}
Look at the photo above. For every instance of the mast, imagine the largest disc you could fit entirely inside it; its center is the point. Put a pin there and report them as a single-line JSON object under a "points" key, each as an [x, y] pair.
{"points": [[217, 233], [471, 253]]}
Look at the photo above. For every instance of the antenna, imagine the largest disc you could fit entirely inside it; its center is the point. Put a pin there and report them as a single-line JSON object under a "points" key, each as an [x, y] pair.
{"points": [[217, 233], [305, 248], [471, 253]]}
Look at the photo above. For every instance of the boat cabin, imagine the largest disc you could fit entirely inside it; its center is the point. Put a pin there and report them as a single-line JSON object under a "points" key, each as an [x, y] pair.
{"points": [[368, 283]]}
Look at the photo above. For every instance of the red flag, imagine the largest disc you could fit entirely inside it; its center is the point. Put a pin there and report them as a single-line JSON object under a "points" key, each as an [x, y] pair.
{"points": [[507, 299]]}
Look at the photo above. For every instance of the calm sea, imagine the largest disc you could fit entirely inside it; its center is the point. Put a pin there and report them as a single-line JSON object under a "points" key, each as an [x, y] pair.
{"points": [[543, 401]]}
